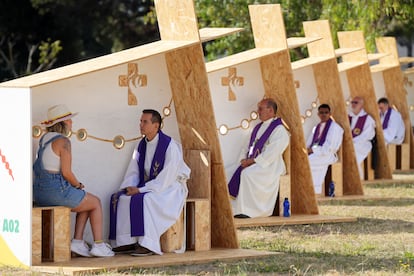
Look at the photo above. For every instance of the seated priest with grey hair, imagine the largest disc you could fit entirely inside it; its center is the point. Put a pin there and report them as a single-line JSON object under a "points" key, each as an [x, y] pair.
{"points": [[254, 185], [392, 123], [322, 146], [153, 193], [363, 131]]}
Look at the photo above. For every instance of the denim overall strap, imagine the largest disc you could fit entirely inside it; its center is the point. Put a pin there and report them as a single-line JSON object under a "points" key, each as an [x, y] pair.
{"points": [[38, 164]]}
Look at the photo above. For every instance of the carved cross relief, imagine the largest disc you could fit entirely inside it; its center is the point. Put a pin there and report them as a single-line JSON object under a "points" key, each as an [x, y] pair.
{"points": [[134, 78], [231, 81]]}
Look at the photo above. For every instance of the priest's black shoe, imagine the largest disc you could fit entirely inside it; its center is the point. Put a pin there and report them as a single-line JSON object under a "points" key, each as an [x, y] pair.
{"points": [[241, 216]]}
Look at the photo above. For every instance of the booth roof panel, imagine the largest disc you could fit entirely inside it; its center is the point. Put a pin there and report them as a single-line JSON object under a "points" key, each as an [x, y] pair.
{"points": [[343, 66], [376, 56], [99, 63], [409, 71], [343, 51], [380, 67], [239, 58], [406, 60], [207, 34], [308, 62], [295, 42]]}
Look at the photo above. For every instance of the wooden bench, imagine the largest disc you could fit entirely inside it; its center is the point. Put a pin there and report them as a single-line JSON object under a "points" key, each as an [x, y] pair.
{"points": [[399, 156], [284, 186], [50, 234], [196, 228], [335, 174], [368, 171]]}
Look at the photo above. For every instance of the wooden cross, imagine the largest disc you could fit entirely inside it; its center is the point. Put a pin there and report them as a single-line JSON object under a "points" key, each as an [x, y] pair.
{"points": [[232, 80], [134, 78]]}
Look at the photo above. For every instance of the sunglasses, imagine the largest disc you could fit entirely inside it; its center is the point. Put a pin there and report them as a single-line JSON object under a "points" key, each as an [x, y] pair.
{"points": [[323, 112], [354, 102]]}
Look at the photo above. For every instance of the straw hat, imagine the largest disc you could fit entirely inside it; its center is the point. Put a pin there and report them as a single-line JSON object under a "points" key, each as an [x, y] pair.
{"points": [[56, 114]]}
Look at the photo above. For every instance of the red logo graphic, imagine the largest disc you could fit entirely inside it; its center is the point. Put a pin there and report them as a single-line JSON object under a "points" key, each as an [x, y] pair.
{"points": [[6, 164]]}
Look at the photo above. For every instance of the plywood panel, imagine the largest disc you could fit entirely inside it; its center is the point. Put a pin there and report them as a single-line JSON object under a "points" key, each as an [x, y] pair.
{"points": [[353, 39], [265, 20], [284, 192], [207, 34], [388, 45], [173, 238], [239, 58], [61, 234], [337, 173], [392, 156], [36, 236], [202, 225], [176, 20], [105, 266], [360, 84], [97, 64], [295, 42], [323, 47], [279, 84], [196, 120], [405, 156], [330, 91], [199, 184]]}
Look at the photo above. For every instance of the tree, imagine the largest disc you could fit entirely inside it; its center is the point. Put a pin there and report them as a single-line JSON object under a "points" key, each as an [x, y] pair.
{"points": [[37, 35]]}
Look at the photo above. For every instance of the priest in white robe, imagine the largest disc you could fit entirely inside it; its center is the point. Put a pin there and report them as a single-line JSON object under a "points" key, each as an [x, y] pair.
{"points": [[163, 187], [322, 146], [363, 131], [254, 186], [392, 123]]}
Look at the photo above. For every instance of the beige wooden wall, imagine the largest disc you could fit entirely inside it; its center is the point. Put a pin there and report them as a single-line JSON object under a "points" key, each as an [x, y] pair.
{"points": [[193, 105]]}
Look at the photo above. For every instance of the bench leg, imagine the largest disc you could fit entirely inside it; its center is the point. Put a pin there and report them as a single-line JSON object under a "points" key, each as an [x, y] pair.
{"points": [[36, 236], [61, 241], [173, 239], [198, 225]]}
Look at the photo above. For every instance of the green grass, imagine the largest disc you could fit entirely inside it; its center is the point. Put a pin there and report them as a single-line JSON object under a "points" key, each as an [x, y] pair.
{"points": [[381, 242]]}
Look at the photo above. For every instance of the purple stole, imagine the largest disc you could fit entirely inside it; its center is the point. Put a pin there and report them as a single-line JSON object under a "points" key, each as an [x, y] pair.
{"points": [[257, 145], [137, 201], [386, 118], [359, 126], [319, 141]]}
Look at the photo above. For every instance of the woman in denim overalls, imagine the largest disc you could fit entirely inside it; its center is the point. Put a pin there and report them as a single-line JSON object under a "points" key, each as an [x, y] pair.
{"points": [[56, 185]]}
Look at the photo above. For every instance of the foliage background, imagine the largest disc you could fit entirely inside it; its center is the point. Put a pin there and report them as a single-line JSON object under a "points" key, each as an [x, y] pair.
{"points": [[37, 35]]}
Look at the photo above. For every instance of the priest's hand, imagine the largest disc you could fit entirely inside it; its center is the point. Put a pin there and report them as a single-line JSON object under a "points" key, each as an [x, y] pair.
{"points": [[247, 162], [131, 190]]}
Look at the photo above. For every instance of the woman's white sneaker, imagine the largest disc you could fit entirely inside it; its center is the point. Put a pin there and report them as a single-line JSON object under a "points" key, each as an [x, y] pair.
{"points": [[80, 247], [101, 250]]}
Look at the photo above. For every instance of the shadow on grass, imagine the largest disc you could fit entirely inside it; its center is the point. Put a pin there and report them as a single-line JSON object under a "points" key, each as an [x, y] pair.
{"points": [[388, 202]]}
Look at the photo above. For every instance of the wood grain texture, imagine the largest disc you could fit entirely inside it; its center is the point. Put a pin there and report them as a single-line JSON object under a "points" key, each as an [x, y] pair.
{"points": [[199, 184], [177, 20], [266, 20], [196, 122], [323, 47], [173, 238]]}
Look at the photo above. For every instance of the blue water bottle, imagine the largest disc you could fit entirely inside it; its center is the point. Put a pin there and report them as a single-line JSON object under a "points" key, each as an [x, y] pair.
{"points": [[331, 191], [286, 207]]}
